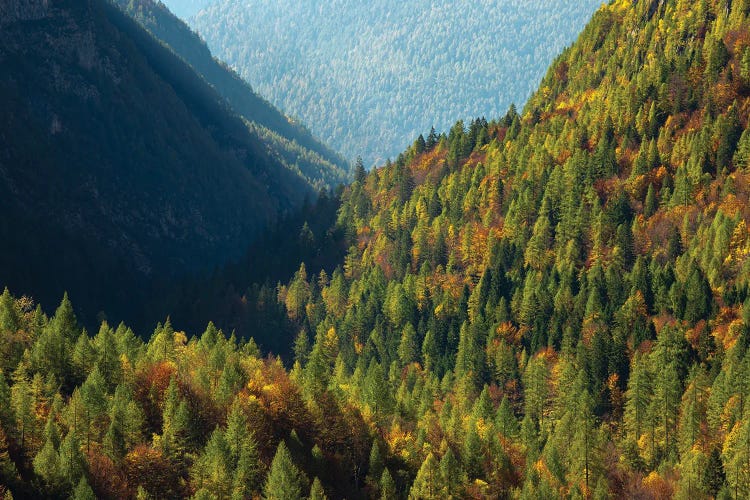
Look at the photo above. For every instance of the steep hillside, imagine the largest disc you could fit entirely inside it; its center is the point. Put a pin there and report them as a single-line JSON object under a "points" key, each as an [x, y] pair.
{"points": [[554, 304], [118, 164], [366, 76], [289, 142]]}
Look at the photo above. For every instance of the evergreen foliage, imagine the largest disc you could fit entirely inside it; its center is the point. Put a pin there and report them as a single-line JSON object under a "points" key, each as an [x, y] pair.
{"points": [[512, 319]]}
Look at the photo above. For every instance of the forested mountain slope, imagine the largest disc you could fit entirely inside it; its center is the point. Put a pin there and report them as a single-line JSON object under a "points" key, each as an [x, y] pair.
{"points": [[288, 142], [118, 164], [550, 305], [366, 76]]}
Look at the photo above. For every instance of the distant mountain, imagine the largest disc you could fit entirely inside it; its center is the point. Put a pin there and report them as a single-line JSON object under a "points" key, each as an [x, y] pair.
{"points": [[187, 8], [291, 143], [119, 165], [367, 77]]}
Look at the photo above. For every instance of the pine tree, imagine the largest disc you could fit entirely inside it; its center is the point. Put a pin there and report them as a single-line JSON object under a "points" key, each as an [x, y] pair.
{"points": [[22, 402], [212, 470], [650, 205], [47, 467], [94, 398], [8, 470], [583, 447], [376, 390], [428, 483], [407, 349], [316, 491], [108, 357], [83, 357], [698, 297], [114, 439], [161, 346], [714, 477], [175, 422], [72, 462], [237, 428], [360, 174], [10, 320], [64, 321], [387, 486], [638, 397], [284, 480], [247, 471], [376, 465], [301, 347], [506, 421], [51, 351], [7, 417], [473, 457], [451, 474], [83, 491], [243, 450]]}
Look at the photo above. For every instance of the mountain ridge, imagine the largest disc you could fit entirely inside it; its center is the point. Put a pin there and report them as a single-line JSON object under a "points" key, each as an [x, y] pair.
{"points": [[102, 159], [365, 77], [296, 147]]}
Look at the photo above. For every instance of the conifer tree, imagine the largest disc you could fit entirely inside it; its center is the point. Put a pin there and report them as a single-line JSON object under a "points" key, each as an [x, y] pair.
{"points": [[83, 491], [284, 479], [428, 483], [47, 467], [108, 357], [316, 491], [247, 471], [638, 397], [376, 466], [175, 423], [72, 461], [714, 477], [22, 402], [7, 418], [8, 470], [407, 349], [9, 317], [212, 470], [83, 357], [387, 485], [94, 398], [451, 474]]}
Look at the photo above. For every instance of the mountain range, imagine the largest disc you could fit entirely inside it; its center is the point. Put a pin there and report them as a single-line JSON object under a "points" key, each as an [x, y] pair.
{"points": [[553, 303], [369, 76]]}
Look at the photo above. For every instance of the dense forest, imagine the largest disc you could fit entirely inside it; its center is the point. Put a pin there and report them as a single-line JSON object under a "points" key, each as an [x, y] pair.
{"points": [[552, 304], [367, 77]]}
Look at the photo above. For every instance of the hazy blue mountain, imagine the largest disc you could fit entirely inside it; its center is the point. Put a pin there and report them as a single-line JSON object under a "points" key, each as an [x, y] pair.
{"points": [[187, 8], [368, 77]]}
